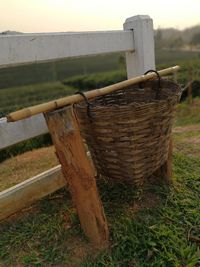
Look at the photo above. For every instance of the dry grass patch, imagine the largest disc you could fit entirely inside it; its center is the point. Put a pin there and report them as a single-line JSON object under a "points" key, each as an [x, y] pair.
{"points": [[24, 166], [187, 140]]}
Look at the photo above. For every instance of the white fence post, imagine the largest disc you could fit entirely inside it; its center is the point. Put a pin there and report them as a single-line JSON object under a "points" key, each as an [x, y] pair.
{"points": [[143, 58]]}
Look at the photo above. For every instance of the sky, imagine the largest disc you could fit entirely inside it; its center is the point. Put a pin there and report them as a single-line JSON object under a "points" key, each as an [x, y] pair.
{"points": [[89, 15]]}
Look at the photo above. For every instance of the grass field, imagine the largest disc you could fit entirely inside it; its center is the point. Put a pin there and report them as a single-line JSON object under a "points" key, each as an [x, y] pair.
{"points": [[56, 71], [172, 57], [14, 98], [18, 97], [154, 226]]}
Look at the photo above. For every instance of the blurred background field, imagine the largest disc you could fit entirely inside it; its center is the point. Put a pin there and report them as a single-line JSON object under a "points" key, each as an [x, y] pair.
{"points": [[151, 227], [28, 85]]}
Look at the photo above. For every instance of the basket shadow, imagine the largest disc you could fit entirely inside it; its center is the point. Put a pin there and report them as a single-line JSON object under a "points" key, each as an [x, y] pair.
{"points": [[120, 198]]}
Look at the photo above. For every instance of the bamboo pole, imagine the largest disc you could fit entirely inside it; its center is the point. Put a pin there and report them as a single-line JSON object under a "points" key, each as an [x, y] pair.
{"points": [[45, 107]]}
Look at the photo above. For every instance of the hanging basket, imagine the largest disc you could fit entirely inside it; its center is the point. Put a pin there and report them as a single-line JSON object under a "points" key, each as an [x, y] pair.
{"points": [[128, 131]]}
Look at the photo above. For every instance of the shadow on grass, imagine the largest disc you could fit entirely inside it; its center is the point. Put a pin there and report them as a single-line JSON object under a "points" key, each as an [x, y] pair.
{"points": [[148, 226], [42, 235]]}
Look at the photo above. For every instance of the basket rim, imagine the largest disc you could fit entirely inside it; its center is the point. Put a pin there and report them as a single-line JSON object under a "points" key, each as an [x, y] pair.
{"points": [[168, 98]]}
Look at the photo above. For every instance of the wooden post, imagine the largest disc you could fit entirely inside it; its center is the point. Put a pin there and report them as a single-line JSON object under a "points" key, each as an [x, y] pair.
{"points": [[143, 58], [79, 173], [164, 173]]}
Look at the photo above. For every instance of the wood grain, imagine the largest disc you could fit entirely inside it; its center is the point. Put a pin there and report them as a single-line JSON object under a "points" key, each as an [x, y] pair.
{"points": [[79, 173]]}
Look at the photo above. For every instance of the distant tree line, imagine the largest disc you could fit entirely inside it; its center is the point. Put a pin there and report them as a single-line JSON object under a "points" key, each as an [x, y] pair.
{"points": [[174, 39], [196, 39]]}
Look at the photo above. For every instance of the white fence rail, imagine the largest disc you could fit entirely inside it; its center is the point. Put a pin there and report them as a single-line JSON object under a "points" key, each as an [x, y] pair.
{"points": [[136, 40], [16, 132], [25, 193], [34, 48]]}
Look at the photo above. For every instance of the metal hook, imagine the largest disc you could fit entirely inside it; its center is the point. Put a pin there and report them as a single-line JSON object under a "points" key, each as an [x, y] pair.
{"points": [[87, 103], [159, 81]]}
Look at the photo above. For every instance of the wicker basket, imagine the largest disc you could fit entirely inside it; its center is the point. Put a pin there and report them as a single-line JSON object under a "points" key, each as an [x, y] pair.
{"points": [[128, 131]]}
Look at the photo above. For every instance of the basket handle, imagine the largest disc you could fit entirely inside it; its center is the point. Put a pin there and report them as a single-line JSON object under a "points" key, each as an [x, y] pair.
{"points": [[159, 81], [87, 103]]}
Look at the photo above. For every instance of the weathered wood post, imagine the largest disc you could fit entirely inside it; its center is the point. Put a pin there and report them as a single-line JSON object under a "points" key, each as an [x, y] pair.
{"points": [[164, 173], [79, 173], [141, 60]]}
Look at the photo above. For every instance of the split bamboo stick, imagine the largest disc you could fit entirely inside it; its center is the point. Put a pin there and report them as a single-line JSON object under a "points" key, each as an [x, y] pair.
{"points": [[45, 107]]}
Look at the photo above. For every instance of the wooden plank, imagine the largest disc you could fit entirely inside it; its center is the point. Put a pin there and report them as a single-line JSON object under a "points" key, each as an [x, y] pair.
{"points": [[79, 173], [15, 132], [33, 48], [21, 195]]}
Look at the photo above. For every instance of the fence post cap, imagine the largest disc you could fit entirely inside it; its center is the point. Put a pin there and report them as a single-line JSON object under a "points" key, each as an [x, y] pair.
{"points": [[137, 18]]}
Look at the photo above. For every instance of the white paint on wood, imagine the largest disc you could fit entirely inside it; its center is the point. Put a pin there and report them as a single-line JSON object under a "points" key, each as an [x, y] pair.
{"points": [[143, 58], [26, 48], [33, 48], [21, 195], [14, 132]]}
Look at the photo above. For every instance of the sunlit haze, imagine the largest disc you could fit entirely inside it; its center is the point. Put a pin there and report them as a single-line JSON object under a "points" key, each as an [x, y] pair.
{"points": [[83, 15]]}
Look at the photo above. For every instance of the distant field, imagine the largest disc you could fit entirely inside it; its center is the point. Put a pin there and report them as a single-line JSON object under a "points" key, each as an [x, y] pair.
{"points": [[49, 72], [97, 74], [166, 56], [21, 96], [16, 97]]}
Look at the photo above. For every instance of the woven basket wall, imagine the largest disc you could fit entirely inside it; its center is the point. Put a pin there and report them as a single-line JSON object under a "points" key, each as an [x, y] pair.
{"points": [[128, 135]]}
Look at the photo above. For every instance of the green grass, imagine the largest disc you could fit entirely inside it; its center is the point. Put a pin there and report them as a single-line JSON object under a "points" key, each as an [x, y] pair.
{"points": [[188, 114], [14, 98], [158, 236], [172, 57], [40, 236], [97, 80], [148, 227], [51, 72], [18, 97], [155, 235]]}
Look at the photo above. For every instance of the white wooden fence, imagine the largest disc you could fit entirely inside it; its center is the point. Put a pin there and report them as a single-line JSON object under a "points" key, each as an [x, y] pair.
{"points": [[136, 40]]}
